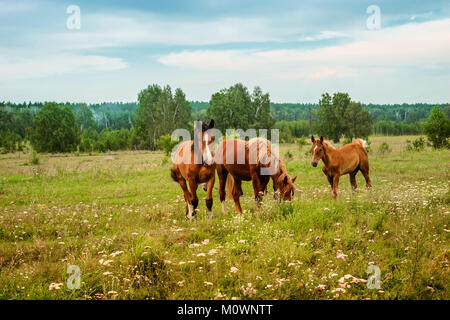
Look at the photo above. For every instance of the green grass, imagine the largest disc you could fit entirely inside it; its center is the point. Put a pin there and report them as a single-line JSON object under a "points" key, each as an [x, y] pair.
{"points": [[80, 209]]}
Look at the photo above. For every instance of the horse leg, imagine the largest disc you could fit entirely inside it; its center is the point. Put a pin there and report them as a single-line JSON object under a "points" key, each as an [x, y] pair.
{"points": [[275, 194], [330, 180], [209, 189], [335, 185], [258, 191], [264, 182], [222, 174], [364, 167], [353, 179], [237, 194], [194, 199], [187, 196], [329, 177]]}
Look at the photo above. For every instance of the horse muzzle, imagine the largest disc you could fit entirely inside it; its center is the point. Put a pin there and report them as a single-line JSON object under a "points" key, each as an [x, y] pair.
{"points": [[314, 164]]}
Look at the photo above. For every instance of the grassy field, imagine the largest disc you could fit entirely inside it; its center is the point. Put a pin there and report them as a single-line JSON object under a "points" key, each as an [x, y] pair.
{"points": [[120, 219]]}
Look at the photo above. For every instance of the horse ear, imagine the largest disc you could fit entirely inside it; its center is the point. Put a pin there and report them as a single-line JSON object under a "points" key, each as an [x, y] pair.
{"points": [[321, 139], [211, 124], [312, 139], [293, 180]]}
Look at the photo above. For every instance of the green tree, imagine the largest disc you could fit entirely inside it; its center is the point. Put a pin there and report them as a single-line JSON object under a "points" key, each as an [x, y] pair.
{"points": [[84, 118], [160, 113], [338, 116], [437, 128], [261, 108], [234, 107], [55, 129], [330, 124], [357, 121]]}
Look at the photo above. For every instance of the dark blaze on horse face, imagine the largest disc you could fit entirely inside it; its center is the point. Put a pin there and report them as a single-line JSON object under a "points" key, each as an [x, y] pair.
{"points": [[316, 150]]}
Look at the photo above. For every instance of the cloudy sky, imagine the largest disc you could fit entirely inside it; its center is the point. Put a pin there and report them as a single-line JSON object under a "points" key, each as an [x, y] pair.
{"points": [[295, 50]]}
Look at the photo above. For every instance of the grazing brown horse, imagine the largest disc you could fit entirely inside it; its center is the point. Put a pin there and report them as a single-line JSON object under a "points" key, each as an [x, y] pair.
{"points": [[350, 159], [195, 166], [250, 160]]}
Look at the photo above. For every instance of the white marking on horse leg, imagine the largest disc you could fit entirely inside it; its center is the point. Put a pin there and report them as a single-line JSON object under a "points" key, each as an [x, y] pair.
{"points": [[224, 207], [189, 211]]}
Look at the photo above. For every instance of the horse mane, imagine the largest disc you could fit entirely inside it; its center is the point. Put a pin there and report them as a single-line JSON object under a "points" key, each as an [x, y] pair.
{"points": [[329, 145], [265, 150], [282, 170], [268, 156]]}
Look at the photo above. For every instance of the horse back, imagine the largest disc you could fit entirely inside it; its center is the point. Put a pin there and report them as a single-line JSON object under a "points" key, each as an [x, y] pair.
{"points": [[350, 157]]}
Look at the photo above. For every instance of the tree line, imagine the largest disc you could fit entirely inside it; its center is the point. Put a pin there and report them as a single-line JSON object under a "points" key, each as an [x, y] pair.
{"points": [[68, 127]]}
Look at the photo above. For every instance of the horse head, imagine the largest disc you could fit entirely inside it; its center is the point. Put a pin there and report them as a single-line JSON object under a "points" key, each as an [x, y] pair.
{"points": [[207, 139], [285, 184], [317, 150]]}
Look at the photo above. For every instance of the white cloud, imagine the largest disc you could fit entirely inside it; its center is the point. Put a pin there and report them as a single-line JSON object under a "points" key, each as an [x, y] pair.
{"points": [[424, 45], [44, 66], [8, 7], [100, 31], [323, 35]]}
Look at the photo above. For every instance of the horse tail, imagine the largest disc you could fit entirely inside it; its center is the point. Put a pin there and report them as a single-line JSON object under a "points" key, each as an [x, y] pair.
{"points": [[362, 142], [173, 174], [230, 185]]}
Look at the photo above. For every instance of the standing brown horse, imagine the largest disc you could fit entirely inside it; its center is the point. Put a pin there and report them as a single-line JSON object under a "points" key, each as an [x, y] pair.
{"points": [[350, 159], [195, 167], [252, 160]]}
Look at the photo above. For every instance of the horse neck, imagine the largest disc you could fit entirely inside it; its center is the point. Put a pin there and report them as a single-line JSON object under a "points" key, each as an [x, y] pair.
{"points": [[327, 153], [281, 170]]}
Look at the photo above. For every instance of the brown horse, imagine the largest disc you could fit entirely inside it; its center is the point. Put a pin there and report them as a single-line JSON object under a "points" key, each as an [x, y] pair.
{"points": [[250, 160], [195, 166], [350, 159]]}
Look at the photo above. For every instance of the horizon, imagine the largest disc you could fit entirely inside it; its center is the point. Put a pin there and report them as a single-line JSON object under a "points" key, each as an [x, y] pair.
{"points": [[208, 102], [294, 51]]}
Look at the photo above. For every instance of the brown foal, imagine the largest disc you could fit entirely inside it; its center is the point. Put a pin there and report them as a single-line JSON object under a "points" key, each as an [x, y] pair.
{"points": [[350, 159]]}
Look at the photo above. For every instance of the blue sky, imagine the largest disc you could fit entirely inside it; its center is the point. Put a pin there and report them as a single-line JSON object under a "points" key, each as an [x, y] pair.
{"points": [[295, 50]]}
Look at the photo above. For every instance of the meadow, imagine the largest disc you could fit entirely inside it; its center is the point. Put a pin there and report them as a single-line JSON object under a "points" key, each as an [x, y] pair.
{"points": [[121, 219]]}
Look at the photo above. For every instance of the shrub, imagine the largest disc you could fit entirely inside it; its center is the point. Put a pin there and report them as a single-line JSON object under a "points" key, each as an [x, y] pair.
{"points": [[369, 147], [437, 128], [384, 148], [56, 130], [301, 142], [415, 145], [288, 155], [165, 143], [34, 160], [165, 160], [346, 141], [10, 141]]}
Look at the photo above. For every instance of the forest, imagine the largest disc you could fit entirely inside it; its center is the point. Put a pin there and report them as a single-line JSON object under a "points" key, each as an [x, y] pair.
{"points": [[68, 127]]}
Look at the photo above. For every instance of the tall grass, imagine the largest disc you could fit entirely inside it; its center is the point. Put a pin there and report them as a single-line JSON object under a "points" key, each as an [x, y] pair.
{"points": [[122, 222]]}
